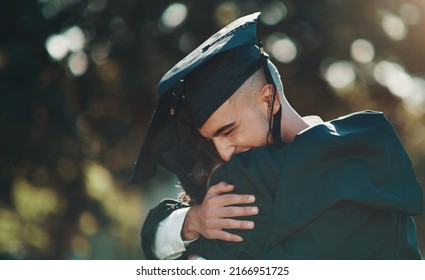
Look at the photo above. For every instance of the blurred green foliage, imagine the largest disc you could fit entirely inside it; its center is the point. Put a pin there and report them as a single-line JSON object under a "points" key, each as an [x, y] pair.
{"points": [[78, 85]]}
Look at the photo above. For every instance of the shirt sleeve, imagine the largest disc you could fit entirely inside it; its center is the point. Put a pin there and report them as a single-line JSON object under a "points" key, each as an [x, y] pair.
{"points": [[168, 243]]}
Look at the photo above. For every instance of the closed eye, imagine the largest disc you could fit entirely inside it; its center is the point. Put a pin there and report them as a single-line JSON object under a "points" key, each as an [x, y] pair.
{"points": [[224, 130], [228, 132]]}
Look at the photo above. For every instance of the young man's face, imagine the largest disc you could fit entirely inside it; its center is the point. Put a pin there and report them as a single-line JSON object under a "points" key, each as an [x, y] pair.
{"points": [[237, 127]]}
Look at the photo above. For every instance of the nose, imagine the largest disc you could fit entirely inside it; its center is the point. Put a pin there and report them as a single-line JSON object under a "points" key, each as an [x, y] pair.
{"points": [[225, 149]]}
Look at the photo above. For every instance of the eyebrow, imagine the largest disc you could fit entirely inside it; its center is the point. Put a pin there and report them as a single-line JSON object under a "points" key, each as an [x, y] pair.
{"points": [[221, 130]]}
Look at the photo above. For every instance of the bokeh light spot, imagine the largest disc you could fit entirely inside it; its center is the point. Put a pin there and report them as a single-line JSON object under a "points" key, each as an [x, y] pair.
{"points": [[362, 51], [410, 89], [385, 70], [340, 74], [88, 223], [10, 228], [173, 16], [394, 27], [225, 13], [187, 42], [51, 8], [78, 63], [98, 181], [36, 236], [273, 12], [75, 39], [410, 14], [96, 6], [415, 98], [281, 47], [100, 51], [57, 46], [80, 247], [34, 203]]}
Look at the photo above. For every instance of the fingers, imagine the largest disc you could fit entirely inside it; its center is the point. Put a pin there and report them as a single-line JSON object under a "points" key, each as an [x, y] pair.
{"points": [[216, 196], [233, 211], [231, 224], [226, 236], [232, 199], [223, 235], [216, 229]]}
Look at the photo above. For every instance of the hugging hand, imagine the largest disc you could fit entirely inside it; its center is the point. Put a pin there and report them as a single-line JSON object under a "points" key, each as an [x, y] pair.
{"points": [[214, 214]]}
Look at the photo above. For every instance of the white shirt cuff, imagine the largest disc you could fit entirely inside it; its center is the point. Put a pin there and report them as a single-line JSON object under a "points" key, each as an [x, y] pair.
{"points": [[168, 243]]}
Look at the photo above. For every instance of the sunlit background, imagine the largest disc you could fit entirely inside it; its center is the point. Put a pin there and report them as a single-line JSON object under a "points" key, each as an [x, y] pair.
{"points": [[78, 85]]}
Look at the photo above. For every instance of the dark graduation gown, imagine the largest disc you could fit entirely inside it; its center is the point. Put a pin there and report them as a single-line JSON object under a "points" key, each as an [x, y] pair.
{"points": [[344, 189]]}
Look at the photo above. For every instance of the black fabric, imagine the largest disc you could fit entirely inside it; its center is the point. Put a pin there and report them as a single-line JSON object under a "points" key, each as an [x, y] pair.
{"points": [[241, 32], [215, 81], [341, 190], [154, 217], [171, 139]]}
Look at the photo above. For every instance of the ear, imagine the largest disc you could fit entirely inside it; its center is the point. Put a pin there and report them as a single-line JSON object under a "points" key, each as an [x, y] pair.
{"points": [[266, 94]]}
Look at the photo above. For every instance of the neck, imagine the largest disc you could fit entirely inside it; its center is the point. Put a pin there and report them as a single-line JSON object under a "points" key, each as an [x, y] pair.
{"points": [[291, 124]]}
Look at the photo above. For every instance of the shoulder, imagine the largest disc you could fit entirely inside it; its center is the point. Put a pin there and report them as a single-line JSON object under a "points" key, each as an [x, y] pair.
{"points": [[359, 122], [370, 122], [363, 117]]}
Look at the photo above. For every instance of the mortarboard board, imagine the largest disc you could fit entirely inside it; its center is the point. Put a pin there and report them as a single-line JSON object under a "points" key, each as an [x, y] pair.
{"points": [[172, 138]]}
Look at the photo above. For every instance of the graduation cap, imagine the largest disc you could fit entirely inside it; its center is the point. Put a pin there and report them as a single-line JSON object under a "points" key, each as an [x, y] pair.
{"points": [[191, 91]]}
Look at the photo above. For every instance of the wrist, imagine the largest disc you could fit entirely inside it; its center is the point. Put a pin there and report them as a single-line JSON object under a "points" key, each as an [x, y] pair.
{"points": [[189, 231]]}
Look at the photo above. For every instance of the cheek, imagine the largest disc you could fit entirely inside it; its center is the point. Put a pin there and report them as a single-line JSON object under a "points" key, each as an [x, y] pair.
{"points": [[256, 131], [262, 126]]}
